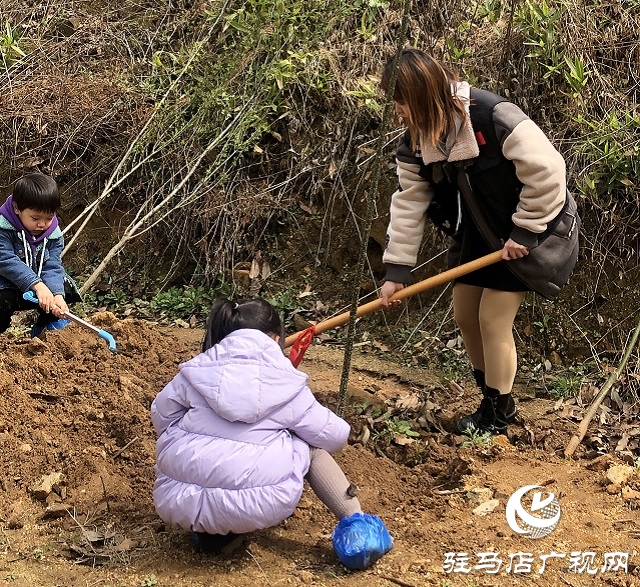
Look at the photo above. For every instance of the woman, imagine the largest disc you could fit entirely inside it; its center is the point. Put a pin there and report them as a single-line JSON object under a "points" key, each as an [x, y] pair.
{"points": [[485, 173]]}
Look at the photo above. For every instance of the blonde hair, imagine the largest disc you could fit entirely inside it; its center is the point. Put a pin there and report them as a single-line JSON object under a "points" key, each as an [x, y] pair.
{"points": [[425, 86]]}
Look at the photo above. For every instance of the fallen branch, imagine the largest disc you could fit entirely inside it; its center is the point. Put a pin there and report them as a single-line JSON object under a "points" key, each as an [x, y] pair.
{"points": [[148, 217], [125, 447], [115, 179], [595, 404]]}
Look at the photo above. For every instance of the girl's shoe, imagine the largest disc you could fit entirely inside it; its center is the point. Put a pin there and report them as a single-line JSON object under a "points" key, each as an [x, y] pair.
{"points": [[361, 539], [217, 543]]}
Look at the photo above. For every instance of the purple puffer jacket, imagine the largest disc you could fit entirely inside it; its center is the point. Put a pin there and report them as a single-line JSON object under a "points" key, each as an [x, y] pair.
{"points": [[234, 427]]}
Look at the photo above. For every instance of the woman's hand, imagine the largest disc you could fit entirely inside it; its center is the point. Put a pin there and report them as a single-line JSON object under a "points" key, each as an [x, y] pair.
{"points": [[513, 250], [387, 290]]}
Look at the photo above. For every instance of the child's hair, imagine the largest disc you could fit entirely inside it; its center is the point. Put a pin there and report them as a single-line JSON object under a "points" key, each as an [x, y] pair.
{"points": [[37, 191], [226, 316]]}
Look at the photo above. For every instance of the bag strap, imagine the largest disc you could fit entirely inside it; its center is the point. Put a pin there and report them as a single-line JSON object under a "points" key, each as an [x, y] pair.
{"points": [[476, 212]]}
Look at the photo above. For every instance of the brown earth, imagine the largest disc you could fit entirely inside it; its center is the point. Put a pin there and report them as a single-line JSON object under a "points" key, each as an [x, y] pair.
{"points": [[71, 409]]}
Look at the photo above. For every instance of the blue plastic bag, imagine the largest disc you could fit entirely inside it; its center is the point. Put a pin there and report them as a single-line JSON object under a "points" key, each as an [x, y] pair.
{"points": [[360, 540]]}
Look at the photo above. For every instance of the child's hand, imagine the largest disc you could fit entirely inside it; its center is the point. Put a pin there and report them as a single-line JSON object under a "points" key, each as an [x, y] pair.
{"points": [[60, 306], [45, 297]]}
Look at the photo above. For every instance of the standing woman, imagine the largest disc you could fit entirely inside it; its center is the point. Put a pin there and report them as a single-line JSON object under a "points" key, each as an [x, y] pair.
{"points": [[486, 174]]}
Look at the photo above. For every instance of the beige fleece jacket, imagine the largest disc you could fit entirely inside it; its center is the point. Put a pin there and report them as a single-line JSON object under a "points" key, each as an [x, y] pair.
{"points": [[539, 166]]}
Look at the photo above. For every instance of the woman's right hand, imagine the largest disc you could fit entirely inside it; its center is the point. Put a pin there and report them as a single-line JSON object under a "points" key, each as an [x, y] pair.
{"points": [[514, 250], [387, 290]]}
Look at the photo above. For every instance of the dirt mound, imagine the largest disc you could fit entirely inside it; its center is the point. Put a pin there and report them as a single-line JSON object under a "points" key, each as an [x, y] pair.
{"points": [[69, 406], [77, 446]]}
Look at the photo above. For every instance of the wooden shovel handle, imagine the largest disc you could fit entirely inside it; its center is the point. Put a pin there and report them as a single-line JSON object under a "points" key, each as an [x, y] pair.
{"points": [[410, 290]]}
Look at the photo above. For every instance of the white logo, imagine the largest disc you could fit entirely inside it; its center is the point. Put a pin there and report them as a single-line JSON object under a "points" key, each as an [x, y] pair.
{"points": [[545, 520]]}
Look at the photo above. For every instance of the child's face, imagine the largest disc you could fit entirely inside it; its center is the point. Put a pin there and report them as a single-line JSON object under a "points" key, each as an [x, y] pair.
{"points": [[35, 222]]}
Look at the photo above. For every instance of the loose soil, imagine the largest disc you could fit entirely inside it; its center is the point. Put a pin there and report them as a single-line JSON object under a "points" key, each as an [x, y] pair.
{"points": [[77, 449]]}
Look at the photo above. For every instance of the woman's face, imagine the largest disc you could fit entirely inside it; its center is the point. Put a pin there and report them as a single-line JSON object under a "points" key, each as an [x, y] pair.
{"points": [[402, 110]]}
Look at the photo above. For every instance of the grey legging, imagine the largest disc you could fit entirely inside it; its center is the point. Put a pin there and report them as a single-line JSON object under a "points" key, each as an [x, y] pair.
{"points": [[330, 484]]}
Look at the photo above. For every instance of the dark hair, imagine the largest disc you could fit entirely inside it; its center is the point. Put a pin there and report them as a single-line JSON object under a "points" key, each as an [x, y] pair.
{"points": [[227, 316], [37, 191], [424, 85]]}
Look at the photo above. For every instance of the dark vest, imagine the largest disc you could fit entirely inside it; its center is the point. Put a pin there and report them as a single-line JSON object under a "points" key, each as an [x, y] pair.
{"points": [[493, 178]]}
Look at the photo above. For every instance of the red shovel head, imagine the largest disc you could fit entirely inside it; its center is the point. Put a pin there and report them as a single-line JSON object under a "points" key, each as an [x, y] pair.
{"points": [[301, 345]]}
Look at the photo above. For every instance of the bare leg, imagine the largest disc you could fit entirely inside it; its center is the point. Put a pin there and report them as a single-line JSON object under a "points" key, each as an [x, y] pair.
{"points": [[330, 484]]}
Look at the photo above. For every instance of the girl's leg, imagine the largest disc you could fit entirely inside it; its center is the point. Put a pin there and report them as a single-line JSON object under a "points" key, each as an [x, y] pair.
{"points": [[330, 484], [358, 539], [466, 311], [498, 310]]}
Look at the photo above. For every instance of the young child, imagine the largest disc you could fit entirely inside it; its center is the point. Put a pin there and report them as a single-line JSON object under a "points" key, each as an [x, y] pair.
{"points": [[239, 431], [30, 248]]}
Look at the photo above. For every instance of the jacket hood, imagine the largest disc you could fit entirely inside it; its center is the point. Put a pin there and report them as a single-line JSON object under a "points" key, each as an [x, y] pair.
{"points": [[7, 211], [245, 377]]}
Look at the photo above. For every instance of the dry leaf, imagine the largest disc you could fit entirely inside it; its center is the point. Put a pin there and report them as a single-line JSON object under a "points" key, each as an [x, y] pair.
{"points": [[622, 443], [486, 508], [306, 208], [409, 402], [255, 269], [402, 440], [567, 412], [380, 346]]}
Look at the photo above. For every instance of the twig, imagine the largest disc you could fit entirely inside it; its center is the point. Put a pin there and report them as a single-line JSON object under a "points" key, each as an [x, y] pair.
{"points": [[125, 447], [104, 491], [582, 428], [255, 560]]}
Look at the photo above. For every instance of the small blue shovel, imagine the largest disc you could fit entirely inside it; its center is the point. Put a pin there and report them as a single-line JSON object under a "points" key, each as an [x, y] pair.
{"points": [[31, 297]]}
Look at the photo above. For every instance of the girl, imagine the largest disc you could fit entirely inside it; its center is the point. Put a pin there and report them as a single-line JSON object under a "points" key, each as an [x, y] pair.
{"points": [[239, 430], [462, 140]]}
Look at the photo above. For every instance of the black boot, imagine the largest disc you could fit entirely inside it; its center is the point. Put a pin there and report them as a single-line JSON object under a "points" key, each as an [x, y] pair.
{"points": [[485, 417], [470, 422]]}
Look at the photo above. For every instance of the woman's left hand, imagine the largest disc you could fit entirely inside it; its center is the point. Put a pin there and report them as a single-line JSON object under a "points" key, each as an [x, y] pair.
{"points": [[513, 250]]}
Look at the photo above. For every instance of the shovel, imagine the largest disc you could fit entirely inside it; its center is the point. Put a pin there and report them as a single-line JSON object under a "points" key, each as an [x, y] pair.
{"points": [[31, 297], [410, 290]]}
